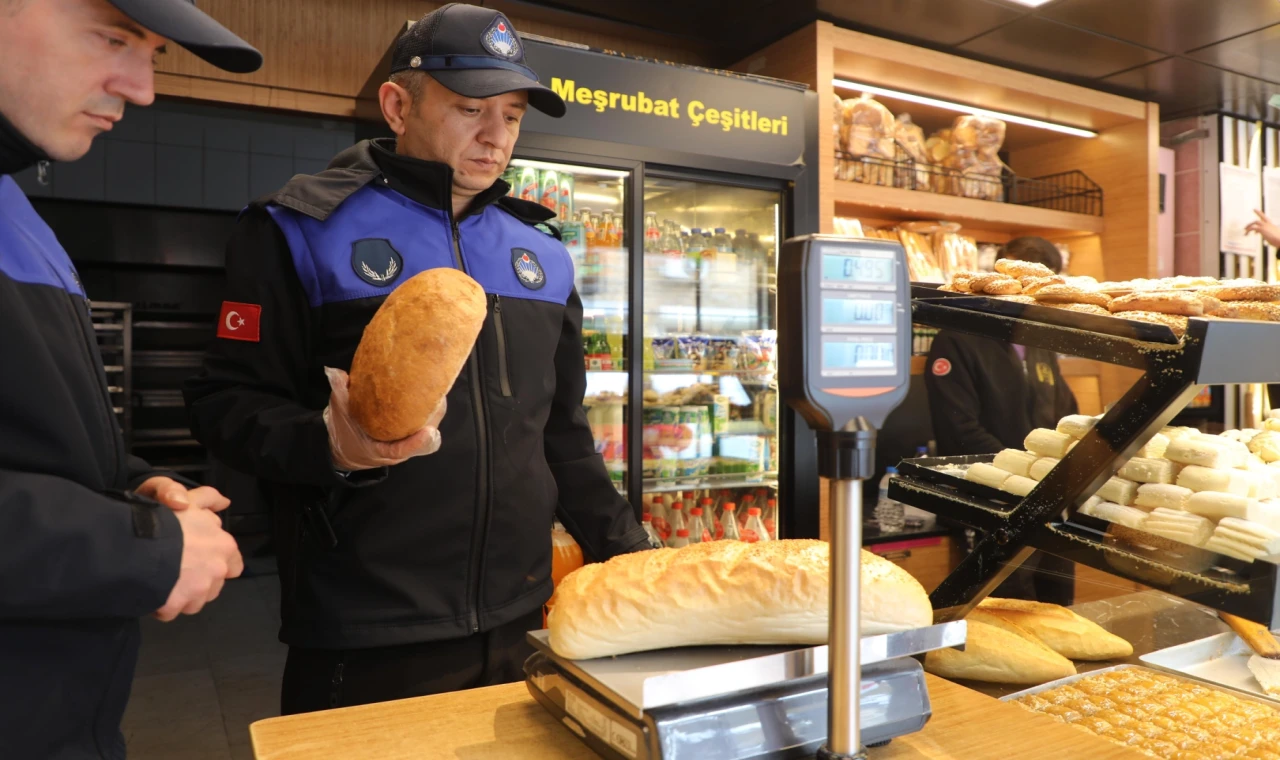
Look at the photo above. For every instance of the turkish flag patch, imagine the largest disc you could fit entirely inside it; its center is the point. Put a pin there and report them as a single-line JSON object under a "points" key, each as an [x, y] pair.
{"points": [[240, 321], [941, 367]]}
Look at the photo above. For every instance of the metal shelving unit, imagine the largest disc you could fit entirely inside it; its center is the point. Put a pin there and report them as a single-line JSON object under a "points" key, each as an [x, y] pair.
{"points": [[1212, 352], [113, 326]]}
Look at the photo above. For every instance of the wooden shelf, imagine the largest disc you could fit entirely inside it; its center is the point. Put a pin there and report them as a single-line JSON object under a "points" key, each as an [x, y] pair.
{"points": [[917, 365], [859, 200]]}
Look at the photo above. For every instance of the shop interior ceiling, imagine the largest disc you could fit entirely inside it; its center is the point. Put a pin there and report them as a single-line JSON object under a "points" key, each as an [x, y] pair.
{"points": [[1190, 56]]}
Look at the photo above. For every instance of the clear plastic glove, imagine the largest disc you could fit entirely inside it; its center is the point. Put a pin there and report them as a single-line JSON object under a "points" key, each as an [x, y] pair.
{"points": [[353, 449]]}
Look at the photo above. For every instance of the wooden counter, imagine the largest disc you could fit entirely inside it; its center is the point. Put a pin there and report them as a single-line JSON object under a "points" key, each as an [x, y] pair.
{"points": [[505, 722]]}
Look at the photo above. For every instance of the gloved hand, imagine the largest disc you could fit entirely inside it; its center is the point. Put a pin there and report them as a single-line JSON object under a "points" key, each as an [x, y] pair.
{"points": [[353, 449]]}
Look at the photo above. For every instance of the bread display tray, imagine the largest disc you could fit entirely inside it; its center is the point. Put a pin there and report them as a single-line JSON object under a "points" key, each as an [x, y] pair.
{"points": [[1081, 676], [1221, 660]]}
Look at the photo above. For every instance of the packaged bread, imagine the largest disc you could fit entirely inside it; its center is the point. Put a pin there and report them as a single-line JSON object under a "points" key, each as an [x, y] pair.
{"points": [[974, 161], [922, 265], [955, 252], [911, 140], [722, 593], [867, 129], [412, 351], [998, 654], [1062, 630]]}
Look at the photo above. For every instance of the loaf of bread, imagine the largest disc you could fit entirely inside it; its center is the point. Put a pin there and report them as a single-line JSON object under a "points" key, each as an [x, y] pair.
{"points": [[412, 351], [1256, 310], [1164, 302], [1244, 292], [999, 654], [1019, 269], [1177, 324], [1081, 308], [723, 592], [1032, 284], [1071, 294], [1060, 629]]}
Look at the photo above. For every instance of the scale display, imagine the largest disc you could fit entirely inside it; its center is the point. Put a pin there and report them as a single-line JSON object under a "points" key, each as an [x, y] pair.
{"points": [[859, 270], [854, 358], [840, 311]]}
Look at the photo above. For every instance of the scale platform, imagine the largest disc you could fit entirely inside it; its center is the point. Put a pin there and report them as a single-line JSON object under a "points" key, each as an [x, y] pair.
{"points": [[731, 703]]}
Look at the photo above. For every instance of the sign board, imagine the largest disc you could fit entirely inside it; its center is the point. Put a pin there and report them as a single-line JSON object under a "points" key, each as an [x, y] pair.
{"points": [[614, 98]]}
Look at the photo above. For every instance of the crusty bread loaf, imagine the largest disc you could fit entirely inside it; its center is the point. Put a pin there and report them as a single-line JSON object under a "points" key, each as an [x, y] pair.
{"points": [[1018, 268], [1071, 294], [999, 654], [1165, 302], [1261, 311], [723, 592], [412, 351], [1060, 629], [1244, 292], [1176, 323]]}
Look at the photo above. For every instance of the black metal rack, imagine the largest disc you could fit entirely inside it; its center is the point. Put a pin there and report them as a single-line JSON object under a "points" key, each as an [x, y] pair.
{"points": [[113, 327], [1211, 352], [1070, 191]]}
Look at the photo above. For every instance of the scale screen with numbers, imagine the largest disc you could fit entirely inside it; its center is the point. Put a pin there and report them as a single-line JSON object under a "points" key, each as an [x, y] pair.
{"points": [[845, 326]]}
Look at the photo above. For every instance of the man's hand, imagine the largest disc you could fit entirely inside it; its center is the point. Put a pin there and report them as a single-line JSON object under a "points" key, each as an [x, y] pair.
{"points": [[353, 449], [1268, 229], [209, 558], [177, 497]]}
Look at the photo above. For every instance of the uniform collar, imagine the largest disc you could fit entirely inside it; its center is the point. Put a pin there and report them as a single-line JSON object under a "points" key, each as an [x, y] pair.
{"points": [[16, 151], [427, 182]]}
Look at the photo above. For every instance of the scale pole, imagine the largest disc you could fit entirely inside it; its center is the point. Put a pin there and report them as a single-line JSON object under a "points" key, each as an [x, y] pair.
{"points": [[844, 658]]}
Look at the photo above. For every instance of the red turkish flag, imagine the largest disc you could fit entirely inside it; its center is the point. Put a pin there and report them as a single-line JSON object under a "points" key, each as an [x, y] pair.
{"points": [[240, 321]]}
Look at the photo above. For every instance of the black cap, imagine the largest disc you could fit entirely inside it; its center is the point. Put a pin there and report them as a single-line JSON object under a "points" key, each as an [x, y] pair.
{"points": [[475, 52], [187, 25]]}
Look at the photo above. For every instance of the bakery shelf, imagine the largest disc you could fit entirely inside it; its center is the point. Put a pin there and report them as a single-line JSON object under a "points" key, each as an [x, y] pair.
{"points": [[1211, 352], [860, 200], [730, 480]]}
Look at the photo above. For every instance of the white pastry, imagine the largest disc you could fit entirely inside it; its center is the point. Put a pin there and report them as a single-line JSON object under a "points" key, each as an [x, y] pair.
{"points": [[1216, 506], [1200, 451], [1161, 495], [1148, 470], [1043, 465], [1076, 425], [987, 475], [1018, 485], [1116, 513], [1119, 491], [1154, 448], [1049, 443], [1015, 462], [1205, 479]]}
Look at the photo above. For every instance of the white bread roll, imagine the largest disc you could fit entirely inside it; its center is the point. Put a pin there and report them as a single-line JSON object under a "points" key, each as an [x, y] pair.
{"points": [[1048, 443], [1199, 478], [1183, 527], [1199, 451], [1060, 629], [1154, 495], [1266, 513], [986, 474], [1042, 467], [1015, 462], [1018, 485], [723, 592], [1154, 448], [1147, 470], [1233, 548], [997, 655], [1130, 517], [1266, 445], [1076, 425], [1216, 506], [1264, 540], [1119, 491]]}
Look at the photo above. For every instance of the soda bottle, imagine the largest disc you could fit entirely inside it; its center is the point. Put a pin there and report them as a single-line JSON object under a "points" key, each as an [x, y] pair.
{"points": [[680, 540], [549, 190], [652, 233], [709, 515], [728, 529], [655, 540], [771, 518], [677, 520], [661, 517], [698, 530], [755, 530], [565, 209], [748, 502]]}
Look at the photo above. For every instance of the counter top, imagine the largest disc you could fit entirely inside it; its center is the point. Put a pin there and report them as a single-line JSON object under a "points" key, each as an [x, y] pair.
{"points": [[505, 722], [871, 534]]}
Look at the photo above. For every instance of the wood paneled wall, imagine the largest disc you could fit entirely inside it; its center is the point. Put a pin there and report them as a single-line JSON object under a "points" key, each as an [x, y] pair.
{"points": [[319, 53]]}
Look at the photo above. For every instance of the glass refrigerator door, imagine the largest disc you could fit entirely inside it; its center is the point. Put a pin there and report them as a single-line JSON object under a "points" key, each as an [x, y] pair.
{"points": [[710, 426], [590, 205]]}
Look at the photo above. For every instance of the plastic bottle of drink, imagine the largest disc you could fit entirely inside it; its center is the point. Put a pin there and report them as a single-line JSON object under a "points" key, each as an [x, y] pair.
{"points": [[709, 516], [670, 241], [694, 247], [613, 333], [721, 241], [588, 227], [646, 347], [655, 540], [748, 502], [890, 514], [698, 530], [771, 518], [728, 529], [661, 517], [678, 521], [755, 530], [652, 233], [680, 539]]}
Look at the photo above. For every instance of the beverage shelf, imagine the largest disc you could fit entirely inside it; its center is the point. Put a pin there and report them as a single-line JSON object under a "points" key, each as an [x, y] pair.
{"points": [[730, 480]]}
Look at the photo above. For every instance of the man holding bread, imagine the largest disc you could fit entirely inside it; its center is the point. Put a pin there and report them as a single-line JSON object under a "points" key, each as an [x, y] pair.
{"points": [[93, 538], [406, 574]]}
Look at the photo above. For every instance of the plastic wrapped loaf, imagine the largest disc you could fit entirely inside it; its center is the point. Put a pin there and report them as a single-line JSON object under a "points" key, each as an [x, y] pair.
{"points": [[866, 132], [975, 148], [911, 140]]}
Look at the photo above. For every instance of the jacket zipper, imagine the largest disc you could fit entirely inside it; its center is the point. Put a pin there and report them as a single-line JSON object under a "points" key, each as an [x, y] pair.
{"points": [[482, 440], [504, 377]]}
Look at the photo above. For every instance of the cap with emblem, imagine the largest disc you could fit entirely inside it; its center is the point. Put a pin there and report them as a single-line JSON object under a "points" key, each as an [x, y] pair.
{"points": [[187, 25], [474, 52]]}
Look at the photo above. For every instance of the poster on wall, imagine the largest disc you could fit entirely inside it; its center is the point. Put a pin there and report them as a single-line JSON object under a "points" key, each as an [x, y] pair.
{"points": [[1240, 190]]}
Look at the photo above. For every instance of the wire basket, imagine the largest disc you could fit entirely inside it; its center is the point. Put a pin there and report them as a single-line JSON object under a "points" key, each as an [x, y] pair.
{"points": [[1071, 191]]}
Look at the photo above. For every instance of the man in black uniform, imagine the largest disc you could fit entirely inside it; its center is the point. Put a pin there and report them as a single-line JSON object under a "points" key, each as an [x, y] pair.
{"points": [[985, 396], [87, 547], [422, 576]]}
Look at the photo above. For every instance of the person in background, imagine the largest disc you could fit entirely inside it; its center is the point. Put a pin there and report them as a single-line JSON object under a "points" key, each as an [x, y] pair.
{"points": [[404, 574], [90, 537], [1270, 232], [986, 395]]}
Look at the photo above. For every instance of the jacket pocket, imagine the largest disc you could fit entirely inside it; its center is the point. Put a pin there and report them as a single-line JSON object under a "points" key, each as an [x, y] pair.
{"points": [[504, 358]]}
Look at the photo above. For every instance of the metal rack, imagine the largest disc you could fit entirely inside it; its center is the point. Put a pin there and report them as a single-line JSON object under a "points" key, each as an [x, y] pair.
{"points": [[1212, 352], [113, 326]]}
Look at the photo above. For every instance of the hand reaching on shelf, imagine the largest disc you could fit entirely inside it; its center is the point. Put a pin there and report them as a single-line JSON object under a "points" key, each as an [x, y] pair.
{"points": [[1268, 229]]}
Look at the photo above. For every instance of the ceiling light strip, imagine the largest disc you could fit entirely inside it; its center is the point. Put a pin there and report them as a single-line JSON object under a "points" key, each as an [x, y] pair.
{"points": [[926, 101]]}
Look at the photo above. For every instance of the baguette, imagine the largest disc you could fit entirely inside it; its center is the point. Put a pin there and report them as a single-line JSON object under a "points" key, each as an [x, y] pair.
{"points": [[1060, 629], [1164, 302], [723, 592], [1019, 268], [1256, 310], [999, 655], [1070, 294], [412, 351]]}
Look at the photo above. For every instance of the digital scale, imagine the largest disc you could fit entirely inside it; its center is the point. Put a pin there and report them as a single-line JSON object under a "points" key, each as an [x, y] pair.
{"points": [[844, 359]]}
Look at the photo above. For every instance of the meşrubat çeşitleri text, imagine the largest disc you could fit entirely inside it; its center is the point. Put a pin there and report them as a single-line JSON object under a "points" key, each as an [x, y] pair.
{"points": [[695, 111]]}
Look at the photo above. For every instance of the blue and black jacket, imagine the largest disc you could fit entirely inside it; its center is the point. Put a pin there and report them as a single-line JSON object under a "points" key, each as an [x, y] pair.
{"points": [[81, 559], [440, 546]]}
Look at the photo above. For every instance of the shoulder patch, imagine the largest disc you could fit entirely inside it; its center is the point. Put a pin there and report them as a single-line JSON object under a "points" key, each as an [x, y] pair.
{"points": [[528, 269], [941, 367], [376, 262]]}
